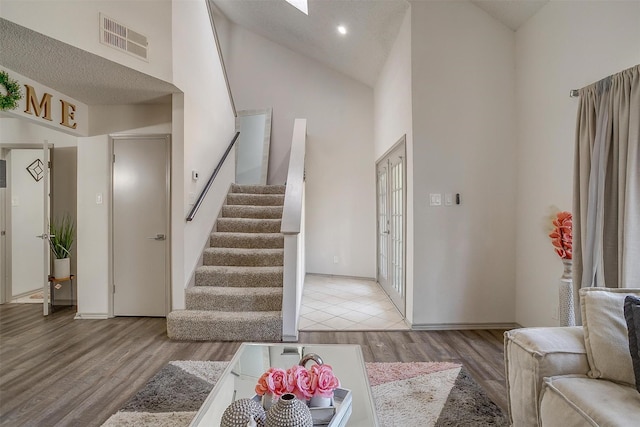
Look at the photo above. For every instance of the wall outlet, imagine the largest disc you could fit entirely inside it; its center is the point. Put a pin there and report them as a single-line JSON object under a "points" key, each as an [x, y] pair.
{"points": [[335, 259]]}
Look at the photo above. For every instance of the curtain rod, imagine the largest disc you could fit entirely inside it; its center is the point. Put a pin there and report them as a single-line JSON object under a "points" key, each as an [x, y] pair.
{"points": [[573, 93]]}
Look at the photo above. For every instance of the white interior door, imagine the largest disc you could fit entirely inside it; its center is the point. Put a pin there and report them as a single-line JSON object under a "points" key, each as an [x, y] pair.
{"points": [[140, 225], [24, 243], [391, 202]]}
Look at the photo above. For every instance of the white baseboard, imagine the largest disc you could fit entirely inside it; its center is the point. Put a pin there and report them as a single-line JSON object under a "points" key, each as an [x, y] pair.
{"points": [[461, 326], [341, 276], [91, 316]]}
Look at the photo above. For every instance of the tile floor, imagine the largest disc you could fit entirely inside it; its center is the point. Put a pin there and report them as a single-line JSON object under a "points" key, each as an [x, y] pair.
{"points": [[332, 303]]}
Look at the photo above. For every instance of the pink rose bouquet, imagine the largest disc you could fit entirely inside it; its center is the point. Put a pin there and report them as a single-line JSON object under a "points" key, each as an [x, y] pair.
{"points": [[302, 382], [275, 381], [562, 235], [324, 381], [305, 384]]}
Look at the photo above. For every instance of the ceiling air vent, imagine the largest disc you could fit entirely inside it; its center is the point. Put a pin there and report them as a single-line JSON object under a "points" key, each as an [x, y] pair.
{"points": [[122, 38]]}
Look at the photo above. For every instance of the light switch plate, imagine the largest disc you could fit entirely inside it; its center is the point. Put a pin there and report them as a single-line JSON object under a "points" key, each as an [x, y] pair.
{"points": [[448, 199], [435, 199], [98, 198]]}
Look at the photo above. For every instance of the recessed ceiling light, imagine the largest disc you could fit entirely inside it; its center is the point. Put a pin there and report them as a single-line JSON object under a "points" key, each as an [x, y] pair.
{"points": [[301, 5], [342, 29]]}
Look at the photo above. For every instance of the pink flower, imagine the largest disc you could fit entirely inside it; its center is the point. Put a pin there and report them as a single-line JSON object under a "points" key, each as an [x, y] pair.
{"points": [[275, 381], [323, 380], [562, 235], [301, 380]]}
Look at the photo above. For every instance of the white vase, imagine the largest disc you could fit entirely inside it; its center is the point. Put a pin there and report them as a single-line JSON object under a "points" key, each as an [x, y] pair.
{"points": [[61, 268], [566, 306], [268, 400], [319, 402]]}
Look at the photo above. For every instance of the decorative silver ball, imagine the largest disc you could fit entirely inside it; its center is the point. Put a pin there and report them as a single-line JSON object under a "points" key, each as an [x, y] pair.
{"points": [[241, 412]]}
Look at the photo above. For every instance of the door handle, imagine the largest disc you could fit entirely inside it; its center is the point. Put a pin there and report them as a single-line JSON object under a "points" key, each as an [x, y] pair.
{"points": [[386, 232], [44, 236], [157, 237]]}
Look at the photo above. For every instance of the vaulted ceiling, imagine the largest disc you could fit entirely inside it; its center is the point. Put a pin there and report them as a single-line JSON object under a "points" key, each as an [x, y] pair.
{"points": [[372, 26]]}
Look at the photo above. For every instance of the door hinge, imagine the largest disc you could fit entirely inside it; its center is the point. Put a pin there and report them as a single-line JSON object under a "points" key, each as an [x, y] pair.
{"points": [[49, 164], [114, 158], [114, 289]]}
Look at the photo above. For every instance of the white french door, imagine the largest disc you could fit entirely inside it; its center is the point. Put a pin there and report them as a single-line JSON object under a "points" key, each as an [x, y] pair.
{"points": [[391, 202]]}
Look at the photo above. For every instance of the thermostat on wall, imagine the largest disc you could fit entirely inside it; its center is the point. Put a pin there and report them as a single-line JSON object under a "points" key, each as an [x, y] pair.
{"points": [[195, 175]]}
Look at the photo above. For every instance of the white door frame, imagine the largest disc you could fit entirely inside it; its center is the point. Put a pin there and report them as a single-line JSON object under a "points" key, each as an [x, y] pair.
{"points": [[400, 143], [112, 139]]}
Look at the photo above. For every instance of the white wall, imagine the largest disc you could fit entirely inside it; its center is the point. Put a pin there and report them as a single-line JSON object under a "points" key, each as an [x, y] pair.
{"points": [[77, 23], [27, 260], [393, 117], [567, 45], [21, 131], [92, 225], [204, 124], [464, 142], [340, 173]]}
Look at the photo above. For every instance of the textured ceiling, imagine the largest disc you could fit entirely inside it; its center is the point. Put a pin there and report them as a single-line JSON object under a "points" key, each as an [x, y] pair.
{"points": [[512, 13], [372, 27], [76, 73]]}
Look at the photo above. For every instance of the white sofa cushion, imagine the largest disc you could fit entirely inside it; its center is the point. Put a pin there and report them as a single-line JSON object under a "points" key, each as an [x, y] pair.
{"points": [[605, 333], [532, 354], [577, 400]]}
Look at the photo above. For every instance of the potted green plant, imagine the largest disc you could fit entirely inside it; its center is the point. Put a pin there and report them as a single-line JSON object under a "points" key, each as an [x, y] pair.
{"points": [[61, 237]]}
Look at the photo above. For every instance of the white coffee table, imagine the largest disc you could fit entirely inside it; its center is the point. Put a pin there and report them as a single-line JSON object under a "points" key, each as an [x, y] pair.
{"points": [[252, 360]]}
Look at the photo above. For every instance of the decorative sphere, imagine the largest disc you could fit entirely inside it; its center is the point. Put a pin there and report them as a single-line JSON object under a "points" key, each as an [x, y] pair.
{"points": [[242, 412]]}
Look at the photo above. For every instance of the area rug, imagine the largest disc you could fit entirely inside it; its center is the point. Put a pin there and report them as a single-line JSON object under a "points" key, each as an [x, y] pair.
{"points": [[437, 394]]}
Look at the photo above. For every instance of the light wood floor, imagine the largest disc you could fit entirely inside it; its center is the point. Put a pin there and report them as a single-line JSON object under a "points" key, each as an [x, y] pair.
{"points": [[59, 371]]}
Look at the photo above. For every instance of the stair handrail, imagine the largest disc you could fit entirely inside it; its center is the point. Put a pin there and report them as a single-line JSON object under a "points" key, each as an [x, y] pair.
{"points": [[293, 229], [205, 190]]}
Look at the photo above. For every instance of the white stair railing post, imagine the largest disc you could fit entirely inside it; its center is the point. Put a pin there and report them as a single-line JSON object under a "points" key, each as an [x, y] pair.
{"points": [[293, 230]]}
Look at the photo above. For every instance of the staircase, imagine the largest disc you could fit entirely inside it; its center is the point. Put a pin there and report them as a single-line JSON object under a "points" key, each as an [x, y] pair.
{"points": [[238, 291]]}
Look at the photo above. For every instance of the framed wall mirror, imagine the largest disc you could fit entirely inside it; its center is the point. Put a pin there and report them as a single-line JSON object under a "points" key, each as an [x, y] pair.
{"points": [[252, 147]]}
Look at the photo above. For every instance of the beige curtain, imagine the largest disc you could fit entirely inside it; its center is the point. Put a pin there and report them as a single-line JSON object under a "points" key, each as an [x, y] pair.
{"points": [[606, 205]]}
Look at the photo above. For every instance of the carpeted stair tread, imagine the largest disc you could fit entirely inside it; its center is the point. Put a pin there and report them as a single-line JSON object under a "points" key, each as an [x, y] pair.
{"points": [[243, 257], [247, 240], [250, 211], [255, 199], [258, 189], [248, 225], [201, 325], [234, 276], [238, 291], [233, 299]]}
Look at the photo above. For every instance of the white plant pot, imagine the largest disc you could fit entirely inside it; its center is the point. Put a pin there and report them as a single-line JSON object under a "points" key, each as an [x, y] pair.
{"points": [[61, 268]]}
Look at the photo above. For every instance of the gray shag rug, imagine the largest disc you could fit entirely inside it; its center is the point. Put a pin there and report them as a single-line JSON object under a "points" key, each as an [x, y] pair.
{"points": [[437, 394]]}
